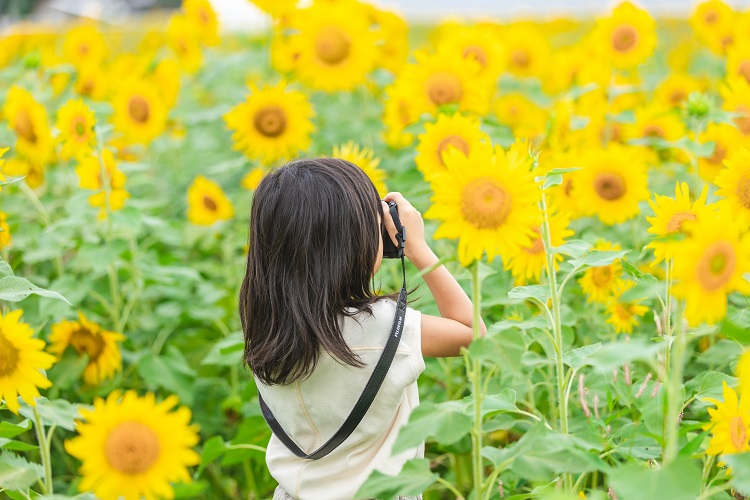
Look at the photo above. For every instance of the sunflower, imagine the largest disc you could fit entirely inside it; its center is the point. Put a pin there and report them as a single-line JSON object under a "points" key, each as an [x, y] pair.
{"points": [[562, 197], [337, 48], [92, 82], [2, 162], [133, 447], [447, 132], [285, 50], [111, 197], [28, 119], [76, 121], [624, 315], [139, 113], [669, 215], [84, 45], [527, 262], [87, 338], [726, 140], [365, 160], [655, 122], [5, 237], [183, 39], [730, 423], [276, 8], [736, 95], [32, 173], [565, 69], [21, 360], [734, 185], [478, 44], [251, 180], [738, 59], [601, 283], [203, 16], [709, 264], [392, 33], [207, 203], [611, 183], [714, 22], [486, 201], [527, 50], [273, 123], [166, 79], [674, 90], [518, 112], [627, 37], [399, 113], [444, 79]]}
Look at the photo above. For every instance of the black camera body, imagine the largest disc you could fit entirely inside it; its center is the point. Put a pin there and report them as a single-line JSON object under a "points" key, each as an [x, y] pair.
{"points": [[391, 251]]}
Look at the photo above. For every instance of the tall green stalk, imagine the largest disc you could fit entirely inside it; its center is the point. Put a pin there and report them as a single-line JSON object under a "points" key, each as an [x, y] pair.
{"points": [[44, 451], [562, 401]]}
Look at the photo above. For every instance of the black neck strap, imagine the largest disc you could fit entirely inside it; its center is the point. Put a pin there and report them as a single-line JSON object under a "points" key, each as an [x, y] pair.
{"points": [[370, 390]]}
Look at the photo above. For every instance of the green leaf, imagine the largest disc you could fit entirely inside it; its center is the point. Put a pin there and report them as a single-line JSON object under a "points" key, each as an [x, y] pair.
{"points": [[8, 430], [580, 357], [5, 269], [552, 180], [18, 474], [598, 258], [694, 444], [679, 480], [740, 465], [192, 489], [170, 371], [573, 248], [226, 352], [212, 450], [9, 444], [615, 354], [558, 171], [734, 331], [634, 272], [446, 423], [414, 478], [59, 412], [538, 292], [504, 349], [504, 401], [15, 289]]}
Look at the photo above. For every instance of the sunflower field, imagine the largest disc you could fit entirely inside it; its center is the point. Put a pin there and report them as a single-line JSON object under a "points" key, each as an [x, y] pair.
{"points": [[587, 181]]}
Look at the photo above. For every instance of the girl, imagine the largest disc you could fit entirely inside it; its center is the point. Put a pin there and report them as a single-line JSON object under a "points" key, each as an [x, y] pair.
{"points": [[314, 328]]}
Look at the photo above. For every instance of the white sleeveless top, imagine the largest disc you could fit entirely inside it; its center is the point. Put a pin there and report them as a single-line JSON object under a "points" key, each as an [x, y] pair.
{"points": [[312, 410]]}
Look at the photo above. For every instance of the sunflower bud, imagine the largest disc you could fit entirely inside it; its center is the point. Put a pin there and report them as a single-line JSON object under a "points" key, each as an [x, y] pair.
{"points": [[698, 105]]}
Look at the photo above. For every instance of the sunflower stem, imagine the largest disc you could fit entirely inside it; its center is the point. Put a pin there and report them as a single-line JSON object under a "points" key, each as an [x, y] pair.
{"points": [[562, 401], [44, 451], [252, 485], [674, 406]]}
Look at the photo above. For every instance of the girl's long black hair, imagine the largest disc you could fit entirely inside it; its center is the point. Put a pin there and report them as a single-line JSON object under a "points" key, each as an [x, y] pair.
{"points": [[313, 243]]}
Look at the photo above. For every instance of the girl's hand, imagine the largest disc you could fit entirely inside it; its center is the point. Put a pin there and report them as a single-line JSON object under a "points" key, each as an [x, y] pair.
{"points": [[415, 248]]}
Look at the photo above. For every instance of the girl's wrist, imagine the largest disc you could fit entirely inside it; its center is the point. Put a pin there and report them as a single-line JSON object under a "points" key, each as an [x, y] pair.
{"points": [[422, 256]]}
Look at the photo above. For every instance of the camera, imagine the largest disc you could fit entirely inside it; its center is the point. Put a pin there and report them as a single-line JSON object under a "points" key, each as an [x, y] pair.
{"points": [[391, 251]]}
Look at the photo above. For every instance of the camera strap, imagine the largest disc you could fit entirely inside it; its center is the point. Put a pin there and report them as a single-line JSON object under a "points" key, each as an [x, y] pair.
{"points": [[371, 388]]}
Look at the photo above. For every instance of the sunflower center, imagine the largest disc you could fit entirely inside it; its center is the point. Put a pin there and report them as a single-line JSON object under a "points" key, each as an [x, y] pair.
{"points": [[132, 448], [653, 131], [743, 122], [623, 312], [84, 49], [485, 204], [601, 276], [9, 356], [537, 246], [677, 96], [209, 203], [743, 191], [744, 70], [270, 121], [675, 223], [520, 58], [716, 265], [567, 186], [332, 45], [719, 154], [452, 141], [79, 127], [139, 109], [24, 126], [711, 16], [738, 433], [443, 88], [477, 53], [610, 186], [86, 342], [624, 38]]}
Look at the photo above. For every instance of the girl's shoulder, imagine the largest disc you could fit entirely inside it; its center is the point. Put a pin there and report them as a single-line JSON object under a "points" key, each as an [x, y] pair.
{"points": [[373, 329]]}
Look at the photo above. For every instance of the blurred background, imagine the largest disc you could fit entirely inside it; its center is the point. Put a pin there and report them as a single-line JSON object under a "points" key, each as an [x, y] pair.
{"points": [[241, 15]]}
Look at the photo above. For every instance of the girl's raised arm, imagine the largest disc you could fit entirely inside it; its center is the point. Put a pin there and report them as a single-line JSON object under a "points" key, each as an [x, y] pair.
{"points": [[442, 335]]}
